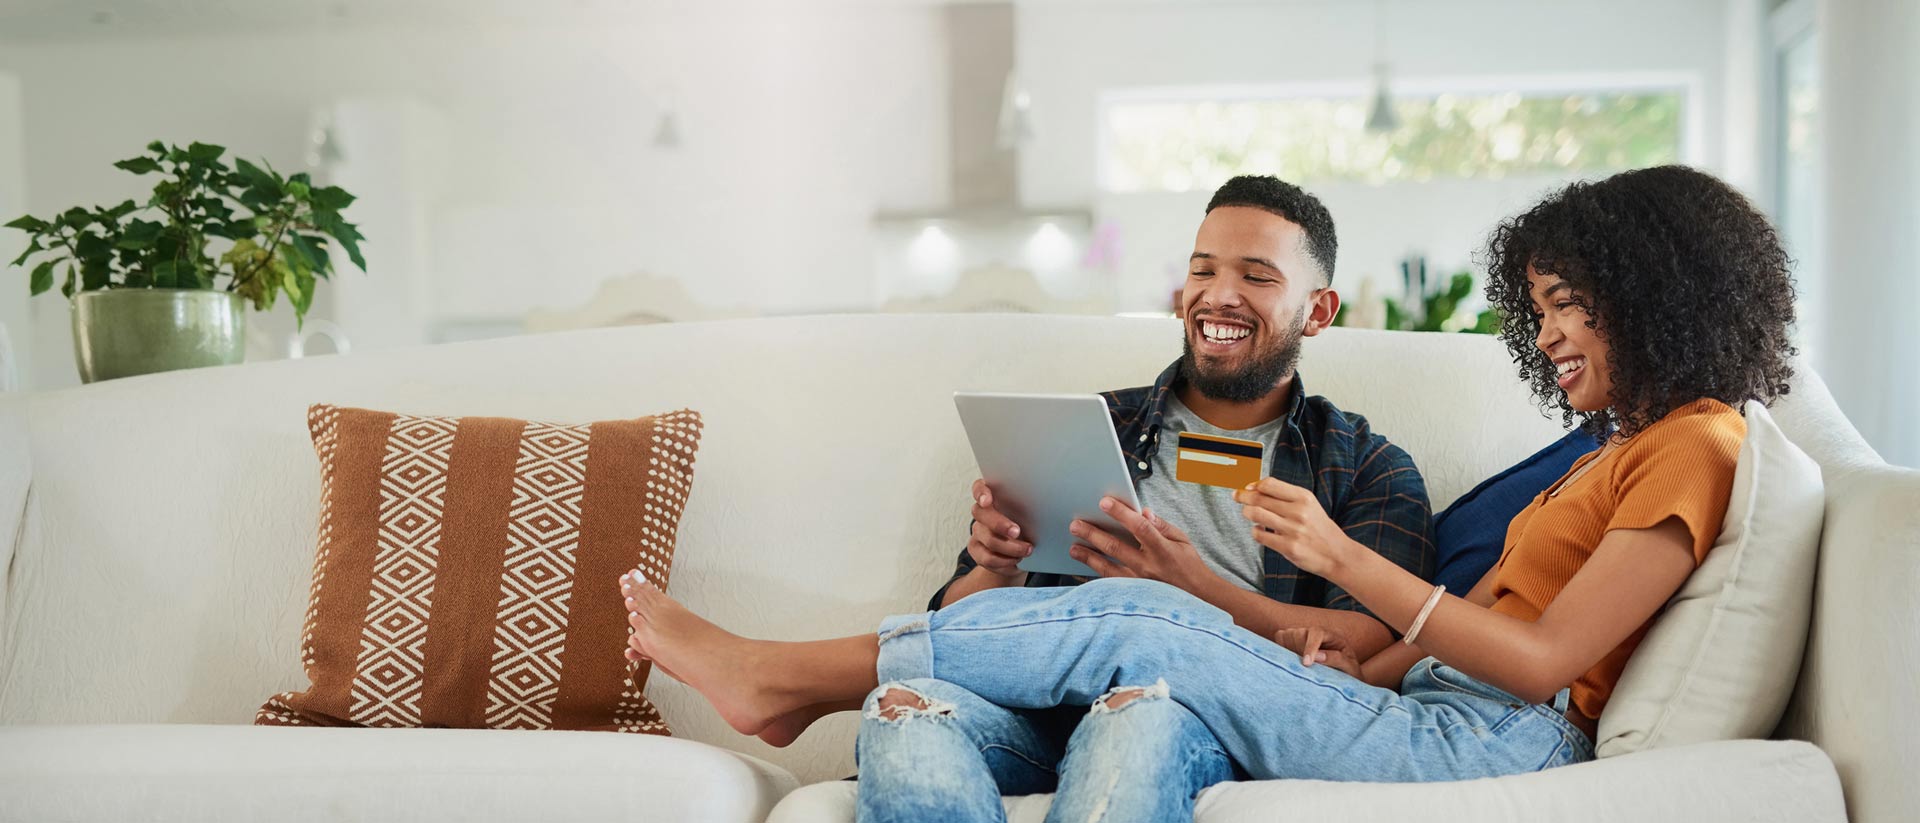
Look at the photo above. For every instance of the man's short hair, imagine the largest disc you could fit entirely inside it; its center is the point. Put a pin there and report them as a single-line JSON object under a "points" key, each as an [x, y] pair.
{"points": [[1290, 202]]}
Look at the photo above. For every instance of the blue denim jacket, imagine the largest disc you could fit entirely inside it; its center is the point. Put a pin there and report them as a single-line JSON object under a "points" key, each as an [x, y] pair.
{"points": [[1368, 485]]}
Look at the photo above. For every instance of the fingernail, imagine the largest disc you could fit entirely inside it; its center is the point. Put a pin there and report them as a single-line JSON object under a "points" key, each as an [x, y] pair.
{"points": [[1013, 531], [1027, 552], [983, 501], [1076, 528], [1106, 504]]}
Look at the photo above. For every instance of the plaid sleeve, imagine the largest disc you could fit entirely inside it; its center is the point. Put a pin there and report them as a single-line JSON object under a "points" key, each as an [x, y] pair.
{"points": [[961, 567], [1387, 512]]}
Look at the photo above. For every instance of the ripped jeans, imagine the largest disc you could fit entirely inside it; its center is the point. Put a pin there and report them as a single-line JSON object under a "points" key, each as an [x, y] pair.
{"points": [[1036, 649], [953, 754]]}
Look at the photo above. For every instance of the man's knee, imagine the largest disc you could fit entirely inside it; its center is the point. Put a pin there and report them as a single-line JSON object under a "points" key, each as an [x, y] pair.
{"points": [[902, 700], [1121, 697]]}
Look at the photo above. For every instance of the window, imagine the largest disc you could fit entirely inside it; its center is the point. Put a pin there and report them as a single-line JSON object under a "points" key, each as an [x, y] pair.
{"points": [[1186, 141], [1798, 196]]}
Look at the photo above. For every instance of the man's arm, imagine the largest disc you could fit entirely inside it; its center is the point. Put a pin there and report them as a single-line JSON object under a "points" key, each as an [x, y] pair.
{"points": [[992, 556]]}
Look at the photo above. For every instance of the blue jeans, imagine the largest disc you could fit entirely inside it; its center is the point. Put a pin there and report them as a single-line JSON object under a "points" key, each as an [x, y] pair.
{"points": [[1135, 755], [1030, 649]]}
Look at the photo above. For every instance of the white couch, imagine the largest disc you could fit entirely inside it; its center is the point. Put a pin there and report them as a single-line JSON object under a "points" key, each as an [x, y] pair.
{"points": [[158, 534]]}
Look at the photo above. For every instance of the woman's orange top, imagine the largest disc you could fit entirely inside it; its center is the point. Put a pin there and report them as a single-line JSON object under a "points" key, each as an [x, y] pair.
{"points": [[1680, 466]]}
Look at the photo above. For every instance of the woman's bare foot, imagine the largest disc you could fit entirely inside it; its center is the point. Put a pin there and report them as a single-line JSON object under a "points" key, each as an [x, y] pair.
{"points": [[787, 727], [725, 668]]}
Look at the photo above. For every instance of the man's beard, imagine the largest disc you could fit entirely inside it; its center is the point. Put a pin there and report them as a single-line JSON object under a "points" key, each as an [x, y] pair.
{"points": [[1263, 371]]}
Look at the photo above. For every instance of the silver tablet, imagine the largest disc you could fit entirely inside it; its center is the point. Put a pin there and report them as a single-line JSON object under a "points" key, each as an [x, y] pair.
{"points": [[1049, 458]]}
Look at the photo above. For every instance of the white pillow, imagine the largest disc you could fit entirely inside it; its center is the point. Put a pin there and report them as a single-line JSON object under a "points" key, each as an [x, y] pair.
{"points": [[1721, 660]]}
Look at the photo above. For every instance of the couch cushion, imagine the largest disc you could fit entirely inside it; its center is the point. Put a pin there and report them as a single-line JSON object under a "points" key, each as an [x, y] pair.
{"points": [[466, 567], [207, 774], [1720, 662], [1737, 782], [1468, 536]]}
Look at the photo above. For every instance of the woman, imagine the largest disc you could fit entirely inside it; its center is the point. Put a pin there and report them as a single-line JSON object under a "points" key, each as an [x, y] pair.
{"points": [[1651, 304]]}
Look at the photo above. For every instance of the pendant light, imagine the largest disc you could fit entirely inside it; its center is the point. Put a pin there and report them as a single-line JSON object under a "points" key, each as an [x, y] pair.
{"points": [[1381, 118]]}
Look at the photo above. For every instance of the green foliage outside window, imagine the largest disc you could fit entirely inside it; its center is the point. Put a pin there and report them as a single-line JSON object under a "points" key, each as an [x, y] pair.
{"points": [[1197, 145]]}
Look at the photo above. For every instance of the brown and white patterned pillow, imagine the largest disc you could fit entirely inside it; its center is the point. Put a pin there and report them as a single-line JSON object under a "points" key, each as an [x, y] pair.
{"points": [[465, 569]]}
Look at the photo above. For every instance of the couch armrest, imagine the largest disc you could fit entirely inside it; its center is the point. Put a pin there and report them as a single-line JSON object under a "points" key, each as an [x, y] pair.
{"points": [[1855, 697]]}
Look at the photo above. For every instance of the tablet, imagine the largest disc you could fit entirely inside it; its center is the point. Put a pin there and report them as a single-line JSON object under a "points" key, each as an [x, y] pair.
{"points": [[1049, 458]]}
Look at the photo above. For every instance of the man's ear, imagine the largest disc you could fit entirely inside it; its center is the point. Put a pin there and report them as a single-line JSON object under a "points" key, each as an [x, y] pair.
{"points": [[1324, 307]]}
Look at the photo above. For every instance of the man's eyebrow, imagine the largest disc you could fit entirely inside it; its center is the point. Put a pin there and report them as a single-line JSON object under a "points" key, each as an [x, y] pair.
{"points": [[1260, 261], [1200, 255]]}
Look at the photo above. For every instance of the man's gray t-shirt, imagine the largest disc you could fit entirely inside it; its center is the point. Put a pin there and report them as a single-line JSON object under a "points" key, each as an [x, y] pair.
{"points": [[1208, 514]]}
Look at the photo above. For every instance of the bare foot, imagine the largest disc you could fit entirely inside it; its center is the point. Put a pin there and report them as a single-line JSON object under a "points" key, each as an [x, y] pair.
{"points": [[723, 667], [787, 727]]}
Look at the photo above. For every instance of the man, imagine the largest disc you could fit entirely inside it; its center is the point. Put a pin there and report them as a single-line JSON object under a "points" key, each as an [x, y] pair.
{"points": [[1259, 281]]}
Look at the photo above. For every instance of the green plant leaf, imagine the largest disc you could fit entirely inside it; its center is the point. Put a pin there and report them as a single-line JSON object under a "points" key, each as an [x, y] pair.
{"points": [[166, 274], [95, 274], [32, 247], [257, 178], [344, 233], [30, 223], [140, 234], [67, 287], [76, 217], [139, 165], [289, 268], [332, 198], [91, 246], [157, 148], [313, 249], [98, 276], [125, 208], [204, 152], [42, 278]]}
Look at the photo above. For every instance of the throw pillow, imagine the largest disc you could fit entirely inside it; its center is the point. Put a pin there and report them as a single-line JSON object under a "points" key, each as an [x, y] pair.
{"points": [[466, 567], [1469, 535], [1720, 662]]}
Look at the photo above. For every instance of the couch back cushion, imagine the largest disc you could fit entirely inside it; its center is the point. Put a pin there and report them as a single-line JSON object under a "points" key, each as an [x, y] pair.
{"points": [[163, 570], [1721, 660]]}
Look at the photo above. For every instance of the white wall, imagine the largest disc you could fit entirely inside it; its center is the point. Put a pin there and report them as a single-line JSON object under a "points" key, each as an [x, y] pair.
{"points": [[15, 315], [1070, 53], [1870, 102], [797, 124]]}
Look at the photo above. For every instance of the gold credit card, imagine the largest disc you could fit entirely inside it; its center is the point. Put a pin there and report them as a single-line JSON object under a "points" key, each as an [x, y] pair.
{"points": [[1219, 461]]}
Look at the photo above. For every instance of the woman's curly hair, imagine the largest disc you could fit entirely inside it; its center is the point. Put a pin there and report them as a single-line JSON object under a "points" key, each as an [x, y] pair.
{"points": [[1682, 277]]}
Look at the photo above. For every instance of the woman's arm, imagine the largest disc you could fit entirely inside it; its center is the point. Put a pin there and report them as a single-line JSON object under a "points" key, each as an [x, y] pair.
{"points": [[1630, 576], [1390, 666]]}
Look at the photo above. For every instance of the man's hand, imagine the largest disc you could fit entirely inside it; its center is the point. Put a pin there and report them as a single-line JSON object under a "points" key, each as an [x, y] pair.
{"points": [[1159, 551], [1317, 644], [1288, 519], [995, 543]]}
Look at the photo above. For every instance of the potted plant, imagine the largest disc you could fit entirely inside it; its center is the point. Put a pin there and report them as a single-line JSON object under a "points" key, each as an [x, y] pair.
{"points": [[147, 290]]}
